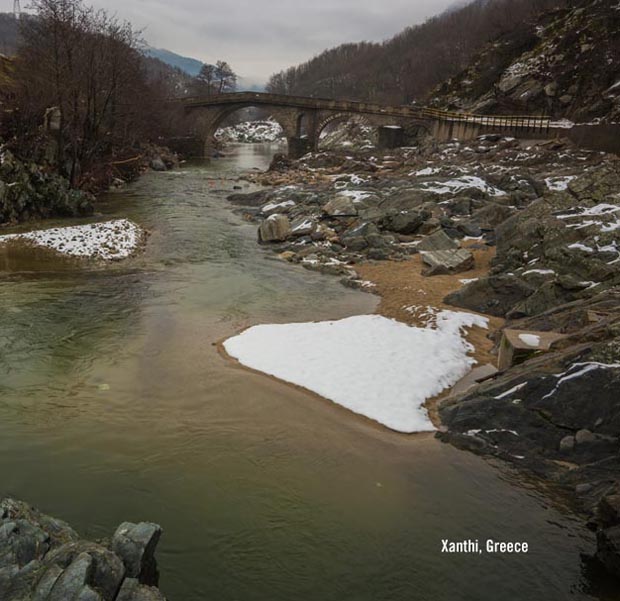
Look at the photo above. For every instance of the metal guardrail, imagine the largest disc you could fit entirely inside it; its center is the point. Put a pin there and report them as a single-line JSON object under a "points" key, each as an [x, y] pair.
{"points": [[512, 122]]}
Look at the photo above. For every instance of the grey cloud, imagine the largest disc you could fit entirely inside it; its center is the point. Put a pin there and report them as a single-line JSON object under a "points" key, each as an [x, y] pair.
{"points": [[259, 37]]}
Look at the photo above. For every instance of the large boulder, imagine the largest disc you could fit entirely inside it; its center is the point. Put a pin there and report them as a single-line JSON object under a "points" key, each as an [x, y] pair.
{"points": [[437, 241], [495, 295], [157, 164], [276, 228], [441, 262], [405, 222], [340, 206], [135, 545]]}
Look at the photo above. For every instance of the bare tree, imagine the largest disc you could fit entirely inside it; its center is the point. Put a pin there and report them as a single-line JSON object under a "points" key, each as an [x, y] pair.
{"points": [[89, 66], [225, 77]]}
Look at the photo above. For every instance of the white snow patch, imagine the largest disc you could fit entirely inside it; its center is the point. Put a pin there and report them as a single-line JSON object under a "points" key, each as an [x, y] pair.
{"points": [[583, 247], [251, 132], [269, 207], [539, 271], [511, 391], [461, 183], [109, 240], [355, 195], [559, 184], [374, 366], [426, 171], [582, 369], [530, 339]]}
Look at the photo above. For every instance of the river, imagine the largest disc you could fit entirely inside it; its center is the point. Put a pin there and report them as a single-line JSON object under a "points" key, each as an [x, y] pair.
{"points": [[115, 405]]}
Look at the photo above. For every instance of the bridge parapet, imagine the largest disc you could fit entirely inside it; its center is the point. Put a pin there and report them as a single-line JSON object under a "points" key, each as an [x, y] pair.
{"points": [[316, 113]]}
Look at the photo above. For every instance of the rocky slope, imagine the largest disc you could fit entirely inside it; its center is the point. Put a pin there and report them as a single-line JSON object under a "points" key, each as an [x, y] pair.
{"points": [[564, 64], [42, 558]]}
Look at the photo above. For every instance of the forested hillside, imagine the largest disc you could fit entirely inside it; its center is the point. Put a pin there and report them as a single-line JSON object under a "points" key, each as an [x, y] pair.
{"points": [[409, 65]]}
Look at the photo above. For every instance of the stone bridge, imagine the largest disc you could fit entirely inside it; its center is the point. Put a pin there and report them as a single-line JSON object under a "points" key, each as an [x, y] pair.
{"points": [[303, 119]]}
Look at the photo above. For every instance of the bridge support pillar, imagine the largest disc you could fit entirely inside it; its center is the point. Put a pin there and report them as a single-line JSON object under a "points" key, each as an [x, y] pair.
{"points": [[391, 136], [298, 146]]}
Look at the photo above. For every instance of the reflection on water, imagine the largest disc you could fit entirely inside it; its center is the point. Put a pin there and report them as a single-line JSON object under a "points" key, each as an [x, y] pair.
{"points": [[115, 405]]}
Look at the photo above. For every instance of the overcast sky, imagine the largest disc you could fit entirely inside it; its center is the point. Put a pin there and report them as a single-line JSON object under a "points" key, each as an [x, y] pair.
{"points": [[260, 37]]}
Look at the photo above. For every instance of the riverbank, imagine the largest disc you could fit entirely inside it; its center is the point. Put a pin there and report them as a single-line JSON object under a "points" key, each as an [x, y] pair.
{"points": [[549, 214], [118, 406], [33, 191]]}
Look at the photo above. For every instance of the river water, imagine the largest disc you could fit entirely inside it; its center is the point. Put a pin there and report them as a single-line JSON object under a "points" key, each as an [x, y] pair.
{"points": [[115, 405]]}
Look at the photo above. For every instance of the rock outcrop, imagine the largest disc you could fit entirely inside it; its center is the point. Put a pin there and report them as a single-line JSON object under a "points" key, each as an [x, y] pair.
{"points": [[566, 64], [43, 559]]}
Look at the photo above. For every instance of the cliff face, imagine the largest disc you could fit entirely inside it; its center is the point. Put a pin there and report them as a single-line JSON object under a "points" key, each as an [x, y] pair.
{"points": [[565, 64]]}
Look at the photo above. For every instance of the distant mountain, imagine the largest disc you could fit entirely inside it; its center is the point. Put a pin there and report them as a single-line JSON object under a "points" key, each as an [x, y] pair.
{"points": [[188, 65]]}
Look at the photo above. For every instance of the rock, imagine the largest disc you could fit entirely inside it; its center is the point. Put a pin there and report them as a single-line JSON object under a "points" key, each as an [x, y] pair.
{"points": [[276, 228], [608, 549], [567, 444], [608, 510], [469, 228], [583, 488], [429, 226], [447, 261], [378, 254], [157, 164], [437, 241], [407, 222], [584, 436], [303, 226], [73, 579], [495, 295], [491, 215], [61, 567], [253, 199], [551, 89], [135, 545], [340, 206], [132, 590]]}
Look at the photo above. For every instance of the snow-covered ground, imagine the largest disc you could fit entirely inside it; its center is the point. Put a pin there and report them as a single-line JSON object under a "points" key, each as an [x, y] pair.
{"points": [[377, 367], [109, 240], [251, 132]]}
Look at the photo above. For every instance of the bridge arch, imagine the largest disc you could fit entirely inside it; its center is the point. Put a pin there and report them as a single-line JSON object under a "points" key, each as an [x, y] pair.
{"points": [[327, 120], [211, 120]]}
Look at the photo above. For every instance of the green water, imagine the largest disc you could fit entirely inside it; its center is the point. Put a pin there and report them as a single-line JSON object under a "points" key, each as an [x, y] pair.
{"points": [[115, 405]]}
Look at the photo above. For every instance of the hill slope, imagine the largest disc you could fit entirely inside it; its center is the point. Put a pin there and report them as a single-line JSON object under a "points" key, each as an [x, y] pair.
{"points": [[191, 66], [566, 64], [413, 62]]}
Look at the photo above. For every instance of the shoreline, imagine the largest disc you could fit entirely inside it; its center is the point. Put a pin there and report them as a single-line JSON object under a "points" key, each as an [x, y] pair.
{"points": [[546, 216]]}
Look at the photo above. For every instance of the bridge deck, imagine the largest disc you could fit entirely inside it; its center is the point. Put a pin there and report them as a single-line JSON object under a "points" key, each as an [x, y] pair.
{"points": [[513, 122]]}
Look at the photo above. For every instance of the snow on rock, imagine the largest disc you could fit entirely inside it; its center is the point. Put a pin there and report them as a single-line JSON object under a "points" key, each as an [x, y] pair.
{"points": [[576, 370], [559, 184], [530, 339], [251, 132], [109, 240], [454, 186], [377, 367]]}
